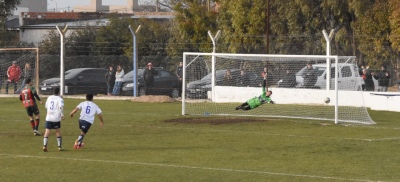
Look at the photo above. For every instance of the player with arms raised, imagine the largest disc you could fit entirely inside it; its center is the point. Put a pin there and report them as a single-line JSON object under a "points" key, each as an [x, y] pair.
{"points": [[27, 96], [88, 110], [257, 101], [55, 112]]}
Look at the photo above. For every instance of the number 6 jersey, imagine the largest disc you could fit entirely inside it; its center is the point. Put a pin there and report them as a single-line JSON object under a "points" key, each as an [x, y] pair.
{"points": [[88, 111]]}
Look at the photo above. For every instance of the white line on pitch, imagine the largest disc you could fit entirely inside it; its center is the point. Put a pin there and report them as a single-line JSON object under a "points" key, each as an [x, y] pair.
{"points": [[188, 167], [271, 134]]}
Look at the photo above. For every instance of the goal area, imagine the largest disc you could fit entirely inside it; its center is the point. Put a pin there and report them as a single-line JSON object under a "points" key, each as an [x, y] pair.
{"points": [[21, 56], [315, 87]]}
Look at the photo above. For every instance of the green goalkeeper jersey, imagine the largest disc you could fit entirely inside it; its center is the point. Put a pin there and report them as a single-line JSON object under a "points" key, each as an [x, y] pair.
{"points": [[262, 99]]}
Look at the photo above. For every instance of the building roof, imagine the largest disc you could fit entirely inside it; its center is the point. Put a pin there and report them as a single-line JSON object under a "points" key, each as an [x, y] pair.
{"points": [[39, 20], [12, 24]]}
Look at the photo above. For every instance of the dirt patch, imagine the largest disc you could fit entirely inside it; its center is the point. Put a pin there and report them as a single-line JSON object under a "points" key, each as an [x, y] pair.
{"points": [[153, 98], [393, 89], [215, 120]]}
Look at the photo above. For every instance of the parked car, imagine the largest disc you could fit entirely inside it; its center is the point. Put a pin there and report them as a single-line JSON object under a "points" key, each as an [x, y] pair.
{"points": [[78, 81], [348, 78], [165, 83], [198, 89]]}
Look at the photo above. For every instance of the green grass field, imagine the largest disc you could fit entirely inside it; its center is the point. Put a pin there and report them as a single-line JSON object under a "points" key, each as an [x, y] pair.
{"points": [[136, 144]]}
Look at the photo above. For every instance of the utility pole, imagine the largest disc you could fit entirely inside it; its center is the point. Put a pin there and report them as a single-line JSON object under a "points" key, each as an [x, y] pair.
{"points": [[157, 5], [267, 13]]}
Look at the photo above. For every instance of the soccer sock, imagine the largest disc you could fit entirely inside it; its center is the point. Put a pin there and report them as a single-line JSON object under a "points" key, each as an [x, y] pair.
{"points": [[32, 124], [37, 124], [59, 141], [45, 139], [80, 139]]}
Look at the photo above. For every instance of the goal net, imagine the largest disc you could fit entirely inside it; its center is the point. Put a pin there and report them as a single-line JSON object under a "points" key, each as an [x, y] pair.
{"points": [[303, 86], [21, 56]]}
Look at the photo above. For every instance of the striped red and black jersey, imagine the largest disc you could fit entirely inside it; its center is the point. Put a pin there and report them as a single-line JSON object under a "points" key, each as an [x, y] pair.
{"points": [[27, 97]]}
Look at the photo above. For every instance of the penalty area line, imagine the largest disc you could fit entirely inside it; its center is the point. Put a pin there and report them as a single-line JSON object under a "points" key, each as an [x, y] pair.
{"points": [[262, 133], [187, 167]]}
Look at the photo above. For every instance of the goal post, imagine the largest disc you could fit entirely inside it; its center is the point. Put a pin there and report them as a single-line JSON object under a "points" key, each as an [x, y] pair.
{"points": [[209, 91], [21, 56]]}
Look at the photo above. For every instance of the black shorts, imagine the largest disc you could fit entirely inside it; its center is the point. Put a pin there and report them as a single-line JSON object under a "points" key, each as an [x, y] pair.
{"points": [[52, 125], [32, 110], [84, 126]]}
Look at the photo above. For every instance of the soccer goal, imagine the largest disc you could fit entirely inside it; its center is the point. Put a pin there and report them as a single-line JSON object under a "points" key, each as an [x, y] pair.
{"points": [[21, 56], [333, 92]]}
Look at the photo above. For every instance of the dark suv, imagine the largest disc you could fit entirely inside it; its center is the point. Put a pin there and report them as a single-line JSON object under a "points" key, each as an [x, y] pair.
{"points": [[78, 81], [165, 83]]}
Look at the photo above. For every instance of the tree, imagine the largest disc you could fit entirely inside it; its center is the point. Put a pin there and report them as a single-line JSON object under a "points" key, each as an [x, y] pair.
{"points": [[394, 21], [192, 22], [116, 39], [6, 6], [112, 39], [372, 30], [243, 25]]}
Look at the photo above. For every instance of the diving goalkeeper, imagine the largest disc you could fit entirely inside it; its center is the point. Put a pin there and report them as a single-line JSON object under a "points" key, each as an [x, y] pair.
{"points": [[257, 101]]}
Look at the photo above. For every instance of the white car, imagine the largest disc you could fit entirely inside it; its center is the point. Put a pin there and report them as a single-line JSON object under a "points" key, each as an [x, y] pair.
{"points": [[348, 78]]}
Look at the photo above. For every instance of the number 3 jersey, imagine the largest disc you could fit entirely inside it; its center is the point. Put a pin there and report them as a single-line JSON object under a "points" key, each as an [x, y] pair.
{"points": [[54, 106], [88, 111]]}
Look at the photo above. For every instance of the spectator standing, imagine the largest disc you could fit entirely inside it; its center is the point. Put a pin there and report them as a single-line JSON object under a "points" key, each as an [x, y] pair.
{"points": [[119, 79], [289, 80], [55, 112], [27, 73], [228, 78], [368, 80], [383, 78], [243, 79], [398, 81], [264, 72], [310, 76], [179, 75], [148, 75], [27, 96], [361, 69], [88, 110], [13, 74], [1, 80], [110, 78]]}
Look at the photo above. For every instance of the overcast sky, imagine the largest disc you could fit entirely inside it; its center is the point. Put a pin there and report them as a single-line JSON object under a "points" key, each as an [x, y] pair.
{"points": [[62, 5]]}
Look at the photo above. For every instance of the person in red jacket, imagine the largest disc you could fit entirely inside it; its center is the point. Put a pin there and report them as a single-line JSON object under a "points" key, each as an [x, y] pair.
{"points": [[13, 74]]}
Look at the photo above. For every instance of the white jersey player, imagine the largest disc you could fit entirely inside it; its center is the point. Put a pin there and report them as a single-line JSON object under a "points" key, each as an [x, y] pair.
{"points": [[55, 112], [88, 111]]}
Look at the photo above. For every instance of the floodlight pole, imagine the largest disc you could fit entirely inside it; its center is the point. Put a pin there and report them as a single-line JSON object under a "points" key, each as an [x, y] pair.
{"points": [[214, 40], [328, 53], [134, 59], [62, 55]]}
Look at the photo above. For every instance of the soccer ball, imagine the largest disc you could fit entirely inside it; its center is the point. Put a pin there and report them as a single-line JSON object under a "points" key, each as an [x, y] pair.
{"points": [[327, 100]]}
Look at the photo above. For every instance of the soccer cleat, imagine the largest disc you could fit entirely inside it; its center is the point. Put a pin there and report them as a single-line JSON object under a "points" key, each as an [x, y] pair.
{"points": [[76, 144], [44, 149], [60, 149], [80, 146], [238, 107], [36, 133]]}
